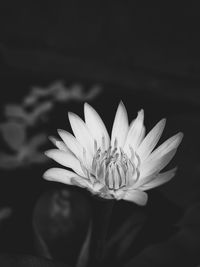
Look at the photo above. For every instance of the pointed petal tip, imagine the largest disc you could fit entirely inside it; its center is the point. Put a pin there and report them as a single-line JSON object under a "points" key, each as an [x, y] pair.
{"points": [[179, 137], [46, 153], [161, 124], [122, 106], [49, 153], [121, 103], [52, 139], [60, 131], [140, 117], [120, 126], [174, 169], [163, 121], [141, 114], [71, 115], [49, 174], [87, 107], [46, 175]]}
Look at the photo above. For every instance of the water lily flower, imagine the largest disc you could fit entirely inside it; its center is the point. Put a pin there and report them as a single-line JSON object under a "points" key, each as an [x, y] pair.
{"points": [[120, 167]]}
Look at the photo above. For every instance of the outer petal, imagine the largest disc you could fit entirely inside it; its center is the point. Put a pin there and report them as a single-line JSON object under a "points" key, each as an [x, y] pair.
{"points": [[144, 180], [136, 196], [65, 159], [64, 176], [120, 126], [151, 140], [59, 175], [96, 125], [141, 137], [59, 144], [82, 133], [154, 165], [159, 180], [134, 133], [169, 145], [71, 143]]}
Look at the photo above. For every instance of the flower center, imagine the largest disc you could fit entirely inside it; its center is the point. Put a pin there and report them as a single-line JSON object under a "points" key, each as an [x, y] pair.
{"points": [[113, 168]]}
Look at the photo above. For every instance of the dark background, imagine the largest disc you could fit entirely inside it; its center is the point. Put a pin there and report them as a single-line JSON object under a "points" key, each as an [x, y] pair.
{"points": [[148, 57]]}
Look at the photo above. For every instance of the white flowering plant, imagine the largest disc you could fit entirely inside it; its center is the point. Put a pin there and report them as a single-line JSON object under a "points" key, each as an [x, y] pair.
{"points": [[121, 167]]}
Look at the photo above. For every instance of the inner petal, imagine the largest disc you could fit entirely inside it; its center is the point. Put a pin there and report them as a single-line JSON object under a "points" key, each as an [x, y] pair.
{"points": [[113, 168]]}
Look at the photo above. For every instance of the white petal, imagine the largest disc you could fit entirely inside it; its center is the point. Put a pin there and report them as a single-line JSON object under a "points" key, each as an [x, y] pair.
{"points": [[154, 165], [81, 182], [82, 133], [151, 140], [119, 194], [59, 175], [96, 125], [72, 143], [120, 126], [144, 180], [136, 196], [159, 180], [169, 145], [65, 177], [134, 133], [141, 137], [65, 159], [59, 144]]}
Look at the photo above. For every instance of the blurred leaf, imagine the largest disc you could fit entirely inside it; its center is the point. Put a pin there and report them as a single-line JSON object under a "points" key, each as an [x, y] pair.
{"points": [[58, 91], [28, 153], [126, 242], [28, 117], [125, 235], [94, 91], [42, 246], [181, 249], [9, 162], [60, 222], [37, 140], [38, 112], [14, 134], [84, 252], [31, 151], [191, 218], [14, 111]]}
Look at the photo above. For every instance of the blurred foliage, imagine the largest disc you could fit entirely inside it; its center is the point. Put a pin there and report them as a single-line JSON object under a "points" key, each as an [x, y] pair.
{"points": [[60, 221], [21, 118]]}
